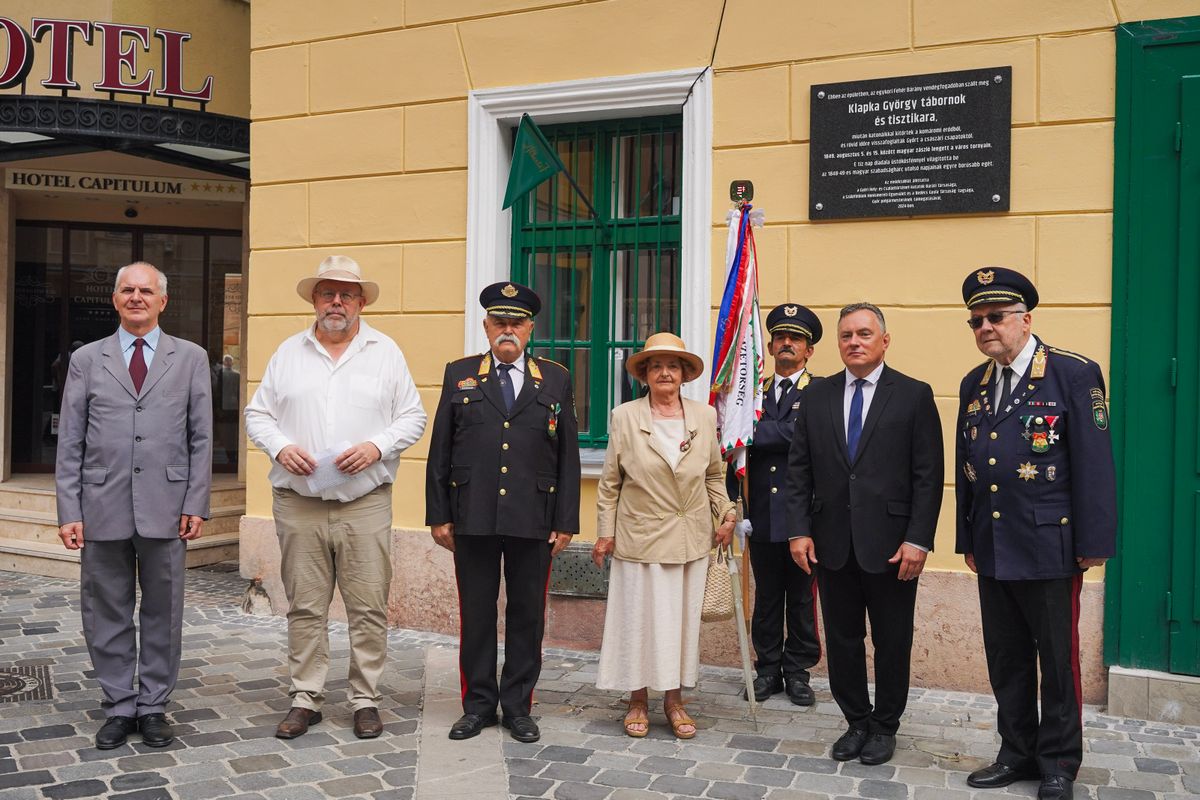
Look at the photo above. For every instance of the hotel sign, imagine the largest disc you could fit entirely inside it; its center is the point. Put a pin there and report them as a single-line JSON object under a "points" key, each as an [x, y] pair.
{"points": [[119, 43], [116, 185]]}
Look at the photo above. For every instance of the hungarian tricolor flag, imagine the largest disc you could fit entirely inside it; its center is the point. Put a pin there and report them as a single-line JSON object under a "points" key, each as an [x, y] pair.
{"points": [[737, 383]]}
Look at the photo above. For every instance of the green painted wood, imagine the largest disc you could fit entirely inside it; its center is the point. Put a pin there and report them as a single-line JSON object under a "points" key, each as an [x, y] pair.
{"points": [[1153, 317], [579, 269]]}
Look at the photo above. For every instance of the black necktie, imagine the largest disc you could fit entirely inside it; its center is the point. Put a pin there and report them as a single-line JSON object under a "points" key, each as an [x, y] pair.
{"points": [[1005, 383], [506, 386], [785, 386], [137, 365]]}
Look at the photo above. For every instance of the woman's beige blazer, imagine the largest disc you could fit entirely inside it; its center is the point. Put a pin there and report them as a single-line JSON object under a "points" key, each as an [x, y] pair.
{"points": [[659, 515]]}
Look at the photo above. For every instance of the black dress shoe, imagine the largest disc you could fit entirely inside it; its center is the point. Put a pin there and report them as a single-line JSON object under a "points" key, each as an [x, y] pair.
{"points": [[523, 729], [1056, 787], [764, 687], [849, 744], [114, 731], [156, 731], [1000, 775], [470, 725], [799, 692], [879, 749]]}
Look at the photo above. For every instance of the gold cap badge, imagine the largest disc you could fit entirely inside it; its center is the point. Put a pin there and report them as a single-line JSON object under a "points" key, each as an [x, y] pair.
{"points": [[509, 290], [985, 278], [790, 311]]}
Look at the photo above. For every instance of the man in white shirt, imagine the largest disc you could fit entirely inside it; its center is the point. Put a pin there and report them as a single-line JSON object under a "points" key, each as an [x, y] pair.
{"points": [[335, 409]]}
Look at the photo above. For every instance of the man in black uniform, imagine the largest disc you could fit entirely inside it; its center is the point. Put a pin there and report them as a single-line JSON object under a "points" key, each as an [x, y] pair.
{"points": [[502, 484], [782, 591], [1036, 506]]}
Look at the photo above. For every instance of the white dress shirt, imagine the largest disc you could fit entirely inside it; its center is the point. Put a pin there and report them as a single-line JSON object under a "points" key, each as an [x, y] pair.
{"points": [[1019, 365], [308, 399], [127, 340], [516, 374], [868, 391], [794, 377]]}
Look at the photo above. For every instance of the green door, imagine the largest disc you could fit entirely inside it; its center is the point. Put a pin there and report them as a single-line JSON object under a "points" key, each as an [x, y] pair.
{"points": [[1152, 615]]}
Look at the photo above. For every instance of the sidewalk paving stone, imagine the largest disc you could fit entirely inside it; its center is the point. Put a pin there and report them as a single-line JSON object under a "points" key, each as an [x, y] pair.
{"points": [[233, 691]]}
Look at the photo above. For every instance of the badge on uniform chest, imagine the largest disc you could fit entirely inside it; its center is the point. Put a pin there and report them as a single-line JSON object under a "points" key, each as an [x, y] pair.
{"points": [[1039, 431]]}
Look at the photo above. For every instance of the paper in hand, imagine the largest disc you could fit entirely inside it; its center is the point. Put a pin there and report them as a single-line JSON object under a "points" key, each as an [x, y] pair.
{"points": [[327, 475]]}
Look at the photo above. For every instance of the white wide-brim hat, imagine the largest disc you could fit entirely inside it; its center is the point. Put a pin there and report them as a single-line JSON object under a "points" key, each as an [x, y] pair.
{"points": [[666, 344], [338, 268]]}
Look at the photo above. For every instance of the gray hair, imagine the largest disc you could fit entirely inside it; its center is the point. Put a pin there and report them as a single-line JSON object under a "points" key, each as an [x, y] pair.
{"points": [[162, 278], [874, 309]]}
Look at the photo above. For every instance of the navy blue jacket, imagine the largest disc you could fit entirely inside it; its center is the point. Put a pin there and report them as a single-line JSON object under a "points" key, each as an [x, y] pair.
{"points": [[766, 465], [1036, 486]]}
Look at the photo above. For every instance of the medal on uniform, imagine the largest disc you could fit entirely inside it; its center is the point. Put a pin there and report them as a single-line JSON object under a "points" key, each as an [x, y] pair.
{"points": [[1051, 472], [969, 471], [974, 433], [974, 407], [467, 383], [1027, 471], [1039, 443], [1027, 434]]}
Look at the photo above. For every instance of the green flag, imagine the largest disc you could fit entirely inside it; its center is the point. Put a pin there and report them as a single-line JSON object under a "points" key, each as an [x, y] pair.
{"points": [[534, 161]]}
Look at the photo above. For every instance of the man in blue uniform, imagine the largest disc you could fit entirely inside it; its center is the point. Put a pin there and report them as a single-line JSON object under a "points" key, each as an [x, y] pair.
{"points": [[1036, 506], [502, 485], [784, 594]]}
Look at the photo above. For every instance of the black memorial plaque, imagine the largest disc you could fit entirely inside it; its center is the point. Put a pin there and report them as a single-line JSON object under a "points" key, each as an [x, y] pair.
{"points": [[918, 144]]}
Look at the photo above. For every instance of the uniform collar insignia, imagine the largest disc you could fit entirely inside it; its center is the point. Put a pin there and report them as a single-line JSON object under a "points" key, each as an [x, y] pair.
{"points": [[534, 372], [485, 364], [1038, 370]]}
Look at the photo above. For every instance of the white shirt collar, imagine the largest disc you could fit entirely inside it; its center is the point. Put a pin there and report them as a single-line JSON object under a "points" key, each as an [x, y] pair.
{"points": [[1020, 364], [872, 379], [779, 376], [519, 364]]}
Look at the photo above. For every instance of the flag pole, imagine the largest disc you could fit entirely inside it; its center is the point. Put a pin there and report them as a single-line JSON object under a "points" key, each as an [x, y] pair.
{"points": [[582, 196]]}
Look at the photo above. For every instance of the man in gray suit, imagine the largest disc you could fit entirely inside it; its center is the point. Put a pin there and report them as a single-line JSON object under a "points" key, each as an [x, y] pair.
{"points": [[134, 469]]}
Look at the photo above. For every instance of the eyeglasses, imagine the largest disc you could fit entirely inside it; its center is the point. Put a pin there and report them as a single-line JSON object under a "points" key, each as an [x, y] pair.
{"points": [[328, 296], [995, 317]]}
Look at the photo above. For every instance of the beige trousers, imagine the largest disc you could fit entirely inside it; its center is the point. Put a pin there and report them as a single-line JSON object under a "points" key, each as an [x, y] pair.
{"points": [[323, 542]]}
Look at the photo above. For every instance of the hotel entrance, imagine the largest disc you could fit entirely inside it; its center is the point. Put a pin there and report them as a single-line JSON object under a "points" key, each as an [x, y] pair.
{"points": [[63, 283]]}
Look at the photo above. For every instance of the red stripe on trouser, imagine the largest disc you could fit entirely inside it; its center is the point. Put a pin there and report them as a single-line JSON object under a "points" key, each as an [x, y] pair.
{"points": [[1076, 588], [816, 622], [545, 595], [462, 675]]}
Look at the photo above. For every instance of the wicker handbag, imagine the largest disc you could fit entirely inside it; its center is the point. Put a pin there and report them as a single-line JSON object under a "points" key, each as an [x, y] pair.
{"points": [[718, 589]]}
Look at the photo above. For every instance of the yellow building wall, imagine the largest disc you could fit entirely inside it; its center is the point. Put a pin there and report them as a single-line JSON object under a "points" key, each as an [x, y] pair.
{"points": [[220, 46], [359, 146]]}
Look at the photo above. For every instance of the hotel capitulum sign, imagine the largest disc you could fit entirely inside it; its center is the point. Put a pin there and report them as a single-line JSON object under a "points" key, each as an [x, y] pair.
{"points": [[145, 186], [120, 44]]}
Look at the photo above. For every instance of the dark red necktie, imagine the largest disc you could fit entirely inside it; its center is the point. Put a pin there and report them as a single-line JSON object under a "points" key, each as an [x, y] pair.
{"points": [[137, 365]]}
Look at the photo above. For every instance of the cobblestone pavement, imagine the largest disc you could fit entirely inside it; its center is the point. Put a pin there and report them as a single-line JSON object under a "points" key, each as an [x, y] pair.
{"points": [[232, 692]]}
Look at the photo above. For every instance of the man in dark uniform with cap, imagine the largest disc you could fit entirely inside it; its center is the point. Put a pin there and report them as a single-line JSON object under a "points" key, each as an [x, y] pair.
{"points": [[1036, 506], [502, 485], [784, 594]]}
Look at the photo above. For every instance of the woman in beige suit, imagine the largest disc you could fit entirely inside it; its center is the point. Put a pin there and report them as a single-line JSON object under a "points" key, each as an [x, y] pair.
{"points": [[660, 495]]}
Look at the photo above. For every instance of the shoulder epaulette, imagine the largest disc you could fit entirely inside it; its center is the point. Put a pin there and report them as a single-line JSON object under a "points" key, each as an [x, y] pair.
{"points": [[1075, 356], [475, 356]]}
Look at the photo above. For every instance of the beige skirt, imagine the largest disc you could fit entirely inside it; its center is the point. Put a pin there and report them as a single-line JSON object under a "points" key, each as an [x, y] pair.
{"points": [[652, 626]]}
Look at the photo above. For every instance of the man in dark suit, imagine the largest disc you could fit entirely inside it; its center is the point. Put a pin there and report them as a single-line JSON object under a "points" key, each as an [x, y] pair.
{"points": [[782, 591], [134, 469], [1036, 506], [502, 483], [865, 472]]}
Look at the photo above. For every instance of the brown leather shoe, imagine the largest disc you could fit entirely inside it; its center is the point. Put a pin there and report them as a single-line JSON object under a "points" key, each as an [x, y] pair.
{"points": [[296, 723], [367, 724]]}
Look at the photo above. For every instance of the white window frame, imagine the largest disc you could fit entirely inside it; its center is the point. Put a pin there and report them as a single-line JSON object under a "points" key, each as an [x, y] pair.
{"points": [[491, 116]]}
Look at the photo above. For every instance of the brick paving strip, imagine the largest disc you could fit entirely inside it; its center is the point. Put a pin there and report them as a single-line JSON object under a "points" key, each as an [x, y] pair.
{"points": [[233, 690]]}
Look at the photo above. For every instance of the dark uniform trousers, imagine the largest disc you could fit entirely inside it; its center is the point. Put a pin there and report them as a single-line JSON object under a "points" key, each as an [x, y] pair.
{"points": [[506, 478], [1035, 490], [783, 627]]}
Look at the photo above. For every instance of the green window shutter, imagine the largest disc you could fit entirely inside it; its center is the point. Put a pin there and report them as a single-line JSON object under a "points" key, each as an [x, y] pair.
{"points": [[604, 288]]}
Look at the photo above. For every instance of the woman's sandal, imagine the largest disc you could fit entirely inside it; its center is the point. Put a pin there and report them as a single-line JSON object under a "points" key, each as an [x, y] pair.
{"points": [[638, 714], [678, 717]]}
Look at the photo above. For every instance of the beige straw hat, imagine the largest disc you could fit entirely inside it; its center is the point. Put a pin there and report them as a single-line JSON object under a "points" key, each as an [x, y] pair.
{"points": [[666, 344], [338, 268]]}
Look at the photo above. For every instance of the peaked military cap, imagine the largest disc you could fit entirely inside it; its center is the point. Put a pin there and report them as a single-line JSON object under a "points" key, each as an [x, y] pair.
{"points": [[794, 318], [998, 285], [508, 299]]}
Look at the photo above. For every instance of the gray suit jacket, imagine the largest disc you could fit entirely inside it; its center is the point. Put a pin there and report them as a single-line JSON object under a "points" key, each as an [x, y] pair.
{"points": [[134, 463]]}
